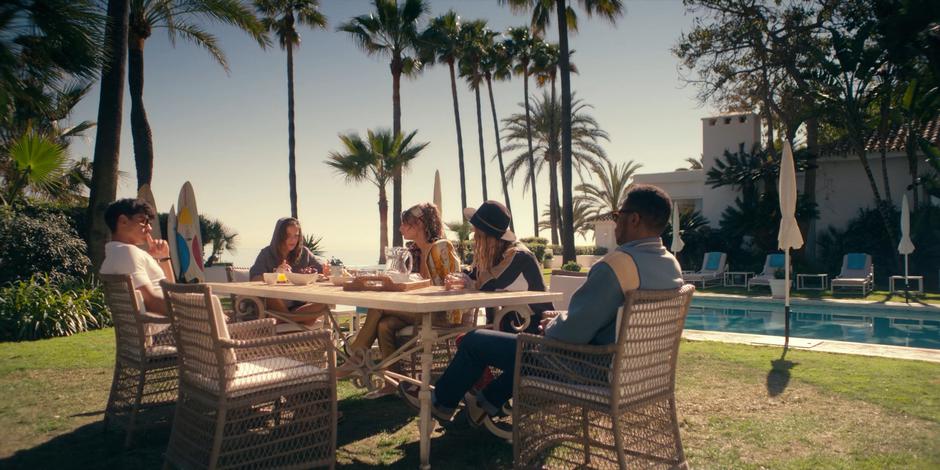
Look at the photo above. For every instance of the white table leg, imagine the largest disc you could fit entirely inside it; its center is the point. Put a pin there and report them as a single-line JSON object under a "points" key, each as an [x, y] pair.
{"points": [[424, 424]]}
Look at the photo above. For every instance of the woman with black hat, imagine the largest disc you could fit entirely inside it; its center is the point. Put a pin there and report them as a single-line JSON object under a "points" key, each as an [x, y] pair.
{"points": [[500, 262]]}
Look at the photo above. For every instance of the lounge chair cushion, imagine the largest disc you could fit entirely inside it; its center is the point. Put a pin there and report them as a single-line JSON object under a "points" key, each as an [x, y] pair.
{"points": [[775, 260], [251, 376], [856, 261], [713, 261]]}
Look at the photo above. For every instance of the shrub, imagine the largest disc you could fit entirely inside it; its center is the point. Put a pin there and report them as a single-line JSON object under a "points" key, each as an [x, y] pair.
{"points": [[586, 250], [41, 308], [600, 250], [571, 266], [537, 249], [31, 245], [528, 240]]}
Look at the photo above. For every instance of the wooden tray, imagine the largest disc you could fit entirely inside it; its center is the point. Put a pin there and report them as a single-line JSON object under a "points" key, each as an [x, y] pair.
{"points": [[383, 284]]}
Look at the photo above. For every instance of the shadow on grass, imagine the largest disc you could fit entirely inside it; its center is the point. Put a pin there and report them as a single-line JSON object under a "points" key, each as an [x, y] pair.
{"points": [[779, 376], [91, 447]]}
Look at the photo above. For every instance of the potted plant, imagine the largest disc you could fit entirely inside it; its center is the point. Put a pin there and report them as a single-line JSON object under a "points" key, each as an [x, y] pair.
{"points": [[547, 259], [571, 266], [778, 285]]}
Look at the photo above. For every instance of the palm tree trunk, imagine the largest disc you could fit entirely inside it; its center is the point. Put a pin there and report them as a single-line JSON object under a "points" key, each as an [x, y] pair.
{"points": [[885, 120], [140, 126], [108, 136], [567, 198], [396, 128], [553, 206], [383, 223], [291, 143], [809, 181], [528, 133], [463, 181], [909, 147], [499, 151], [476, 91]]}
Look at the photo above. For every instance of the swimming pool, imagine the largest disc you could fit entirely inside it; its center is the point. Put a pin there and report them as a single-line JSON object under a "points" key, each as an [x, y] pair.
{"points": [[897, 326]]}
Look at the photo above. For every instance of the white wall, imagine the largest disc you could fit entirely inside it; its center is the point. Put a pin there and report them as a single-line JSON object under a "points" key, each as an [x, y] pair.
{"points": [[604, 234], [719, 134]]}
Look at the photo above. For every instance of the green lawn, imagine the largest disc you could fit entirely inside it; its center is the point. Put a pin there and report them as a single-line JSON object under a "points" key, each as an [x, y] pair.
{"points": [[740, 407]]}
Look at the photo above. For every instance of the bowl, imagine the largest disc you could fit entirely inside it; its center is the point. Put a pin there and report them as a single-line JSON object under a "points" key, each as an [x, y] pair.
{"points": [[301, 279], [270, 278], [340, 280]]}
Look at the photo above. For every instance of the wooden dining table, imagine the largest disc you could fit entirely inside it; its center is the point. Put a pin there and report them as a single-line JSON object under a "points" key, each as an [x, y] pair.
{"points": [[422, 303]]}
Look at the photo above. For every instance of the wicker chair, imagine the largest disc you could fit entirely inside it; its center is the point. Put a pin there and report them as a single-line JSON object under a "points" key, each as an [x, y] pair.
{"points": [[248, 398], [582, 406], [145, 379]]}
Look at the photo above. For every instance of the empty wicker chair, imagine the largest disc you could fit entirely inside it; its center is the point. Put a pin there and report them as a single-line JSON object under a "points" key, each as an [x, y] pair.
{"points": [[145, 380], [248, 398], [613, 406]]}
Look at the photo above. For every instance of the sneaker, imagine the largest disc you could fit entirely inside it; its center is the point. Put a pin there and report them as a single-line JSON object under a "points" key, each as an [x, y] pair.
{"points": [[410, 392], [475, 413]]}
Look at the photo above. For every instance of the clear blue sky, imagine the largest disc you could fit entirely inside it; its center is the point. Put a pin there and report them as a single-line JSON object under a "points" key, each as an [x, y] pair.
{"points": [[227, 134]]}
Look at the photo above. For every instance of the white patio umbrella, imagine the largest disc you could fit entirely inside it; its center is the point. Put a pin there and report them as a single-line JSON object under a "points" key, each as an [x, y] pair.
{"points": [[677, 243], [437, 193], [789, 235], [906, 246]]}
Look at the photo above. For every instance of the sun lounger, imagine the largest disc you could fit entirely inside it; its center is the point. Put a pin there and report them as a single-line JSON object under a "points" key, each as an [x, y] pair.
{"points": [[857, 273], [772, 263], [713, 269]]}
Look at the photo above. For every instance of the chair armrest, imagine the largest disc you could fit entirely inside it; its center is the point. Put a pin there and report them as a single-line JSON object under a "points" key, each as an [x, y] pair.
{"points": [[149, 317], [252, 329], [552, 360], [312, 347]]}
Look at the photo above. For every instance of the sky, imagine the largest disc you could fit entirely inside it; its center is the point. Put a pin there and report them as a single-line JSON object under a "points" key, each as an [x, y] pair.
{"points": [[227, 133]]}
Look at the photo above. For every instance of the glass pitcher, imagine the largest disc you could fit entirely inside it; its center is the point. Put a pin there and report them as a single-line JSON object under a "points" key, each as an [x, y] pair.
{"points": [[398, 262]]}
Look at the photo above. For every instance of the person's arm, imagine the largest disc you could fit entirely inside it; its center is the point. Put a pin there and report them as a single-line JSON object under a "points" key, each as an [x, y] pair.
{"points": [[593, 306], [520, 263], [153, 302]]}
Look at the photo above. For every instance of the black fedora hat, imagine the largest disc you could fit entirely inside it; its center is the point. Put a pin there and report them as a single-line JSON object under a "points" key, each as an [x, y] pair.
{"points": [[493, 218]]}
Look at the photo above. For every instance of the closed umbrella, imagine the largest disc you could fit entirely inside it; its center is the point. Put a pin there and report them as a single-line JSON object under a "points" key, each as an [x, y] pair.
{"points": [[677, 243], [789, 235], [437, 193], [906, 246]]}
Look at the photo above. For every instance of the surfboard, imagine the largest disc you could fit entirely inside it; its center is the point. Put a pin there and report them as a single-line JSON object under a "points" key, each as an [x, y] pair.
{"points": [[188, 241], [146, 195], [171, 240]]}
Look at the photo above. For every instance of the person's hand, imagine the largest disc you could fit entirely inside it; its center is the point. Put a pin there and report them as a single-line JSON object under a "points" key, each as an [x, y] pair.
{"points": [[457, 281], [544, 324], [284, 267], [159, 249]]}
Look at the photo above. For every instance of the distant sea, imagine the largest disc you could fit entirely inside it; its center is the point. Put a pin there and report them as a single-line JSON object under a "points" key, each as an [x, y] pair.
{"points": [[245, 256]]}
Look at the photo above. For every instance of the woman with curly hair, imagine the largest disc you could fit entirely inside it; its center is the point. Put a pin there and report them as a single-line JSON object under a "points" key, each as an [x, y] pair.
{"points": [[433, 258]]}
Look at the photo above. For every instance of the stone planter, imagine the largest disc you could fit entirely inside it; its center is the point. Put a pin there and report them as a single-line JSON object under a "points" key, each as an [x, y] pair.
{"points": [[586, 261], [555, 262], [778, 288]]}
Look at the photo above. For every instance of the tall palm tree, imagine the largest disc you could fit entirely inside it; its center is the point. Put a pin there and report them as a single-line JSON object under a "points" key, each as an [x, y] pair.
{"points": [[280, 18], [545, 134], [519, 46], [607, 193], [545, 58], [108, 138], [376, 159], [179, 18], [566, 18], [392, 31], [475, 40], [441, 42], [496, 64]]}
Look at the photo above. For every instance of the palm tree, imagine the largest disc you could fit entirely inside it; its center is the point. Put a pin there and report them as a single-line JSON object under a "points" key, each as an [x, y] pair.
{"points": [[179, 18], [519, 46], [441, 42], [566, 19], [280, 17], [475, 40], [108, 138], [496, 64], [221, 237], [583, 218], [376, 159], [694, 164], [392, 31], [37, 165], [546, 130], [610, 190]]}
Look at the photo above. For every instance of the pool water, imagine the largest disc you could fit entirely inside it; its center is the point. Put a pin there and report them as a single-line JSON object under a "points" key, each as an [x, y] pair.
{"points": [[896, 326]]}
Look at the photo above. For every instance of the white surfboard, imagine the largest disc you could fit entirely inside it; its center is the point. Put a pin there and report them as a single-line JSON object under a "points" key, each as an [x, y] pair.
{"points": [[146, 195], [189, 242], [171, 240]]}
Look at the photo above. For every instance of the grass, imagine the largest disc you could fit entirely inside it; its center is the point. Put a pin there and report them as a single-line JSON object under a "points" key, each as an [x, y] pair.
{"points": [[739, 406]]}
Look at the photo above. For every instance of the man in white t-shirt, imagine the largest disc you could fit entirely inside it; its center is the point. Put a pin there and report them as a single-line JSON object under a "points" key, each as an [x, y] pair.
{"points": [[129, 221]]}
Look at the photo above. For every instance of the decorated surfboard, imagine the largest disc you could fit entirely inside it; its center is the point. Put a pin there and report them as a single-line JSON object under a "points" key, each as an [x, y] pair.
{"points": [[171, 240], [146, 195], [188, 239]]}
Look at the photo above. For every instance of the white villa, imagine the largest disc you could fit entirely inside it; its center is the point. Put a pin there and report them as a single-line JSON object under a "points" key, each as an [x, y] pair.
{"points": [[841, 185]]}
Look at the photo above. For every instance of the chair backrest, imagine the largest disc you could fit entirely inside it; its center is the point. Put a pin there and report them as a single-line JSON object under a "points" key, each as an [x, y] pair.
{"points": [[199, 326], [714, 262], [648, 341], [126, 307], [773, 262], [856, 266], [567, 285], [233, 274]]}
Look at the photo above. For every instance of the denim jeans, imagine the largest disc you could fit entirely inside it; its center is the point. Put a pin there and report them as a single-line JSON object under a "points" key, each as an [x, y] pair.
{"points": [[478, 350]]}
